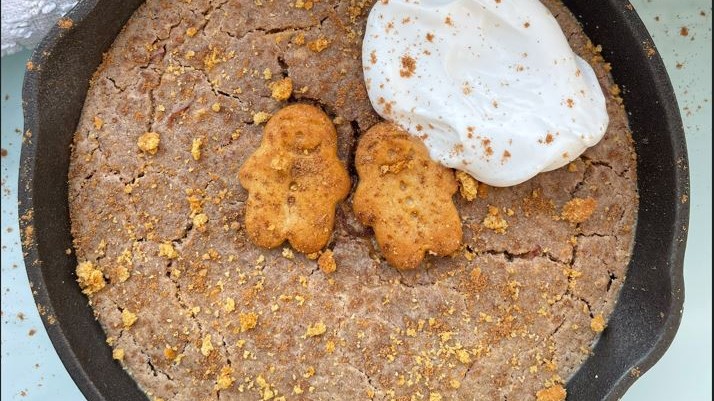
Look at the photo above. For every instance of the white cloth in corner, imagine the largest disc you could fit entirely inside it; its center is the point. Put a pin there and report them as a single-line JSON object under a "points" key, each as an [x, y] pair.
{"points": [[25, 22]]}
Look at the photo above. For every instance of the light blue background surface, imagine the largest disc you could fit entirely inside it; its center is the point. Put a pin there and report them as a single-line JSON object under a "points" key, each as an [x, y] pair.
{"points": [[31, 370]]}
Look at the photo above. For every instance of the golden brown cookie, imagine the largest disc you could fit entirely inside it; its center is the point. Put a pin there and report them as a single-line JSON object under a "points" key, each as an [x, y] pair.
{"points": [[405, 197], [294, 181]]}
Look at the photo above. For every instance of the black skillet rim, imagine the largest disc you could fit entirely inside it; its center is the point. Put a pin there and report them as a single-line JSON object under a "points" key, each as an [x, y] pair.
{"points": [[91, 383]]}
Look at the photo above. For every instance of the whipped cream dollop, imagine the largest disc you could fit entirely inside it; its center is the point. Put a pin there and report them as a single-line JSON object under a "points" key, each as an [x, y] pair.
{"points": [[492, 87]]}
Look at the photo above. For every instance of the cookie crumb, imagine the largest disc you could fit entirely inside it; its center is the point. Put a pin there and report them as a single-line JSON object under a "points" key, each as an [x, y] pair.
{"points": [[260, 117], [578, 210], [282, 90], [555, 393], [98, 122], [191, 31], [326, 262], [65, 23], [206, 345], [90, 279], [597, 324], [288, 254], [468, 186], [315, 330], [247, 321], [118, 354], [196, 148], [494, 221], [225, 379], [318, 45], [167, 250], [229, 305], [199, 221], [149, 142], [128, 318]]}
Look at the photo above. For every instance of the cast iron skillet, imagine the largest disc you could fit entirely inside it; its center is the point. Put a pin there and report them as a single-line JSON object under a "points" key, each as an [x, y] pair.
{"points": [[640, 329]]}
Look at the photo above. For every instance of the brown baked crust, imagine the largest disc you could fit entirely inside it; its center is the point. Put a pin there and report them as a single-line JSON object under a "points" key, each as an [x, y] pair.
{"points": [[405, 197], [507, 316], [294, 181]]}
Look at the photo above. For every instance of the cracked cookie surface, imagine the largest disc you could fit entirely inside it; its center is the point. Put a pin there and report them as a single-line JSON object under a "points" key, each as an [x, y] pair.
{"points": [[216, 316]]}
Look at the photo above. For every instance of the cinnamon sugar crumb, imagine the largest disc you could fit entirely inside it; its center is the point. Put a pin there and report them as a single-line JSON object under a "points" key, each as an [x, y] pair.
{"points": [[468, 186], [597, 324], [149, 142], [430, 37], [90, 279], [578, 210], [326, 262], [373, 57], [408, 66], [554, 393]]}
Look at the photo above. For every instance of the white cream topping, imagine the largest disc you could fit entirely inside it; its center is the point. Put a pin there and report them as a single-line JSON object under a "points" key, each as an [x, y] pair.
{"points": [[491, 86]]}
